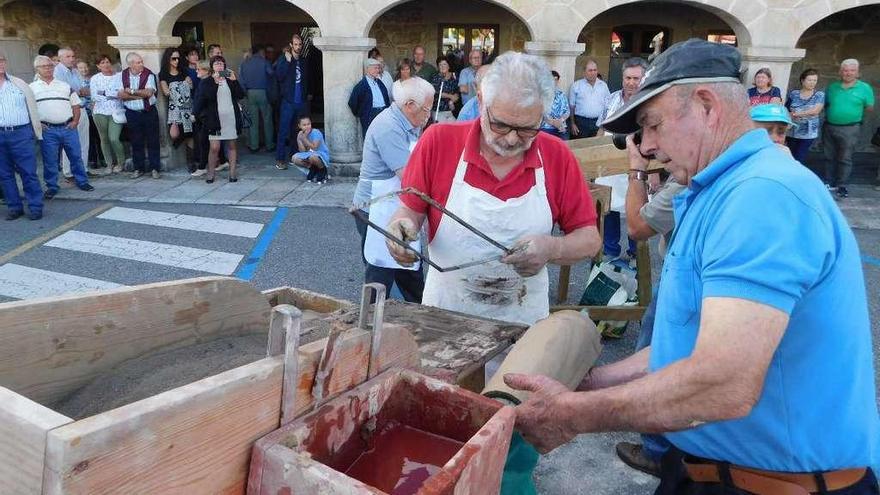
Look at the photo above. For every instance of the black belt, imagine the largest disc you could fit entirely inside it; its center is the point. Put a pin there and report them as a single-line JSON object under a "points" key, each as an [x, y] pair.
{"points": [[64, 124], [588, 118], [10, 128]]}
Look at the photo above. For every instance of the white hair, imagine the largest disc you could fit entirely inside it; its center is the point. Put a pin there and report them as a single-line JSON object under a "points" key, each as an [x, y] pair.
{"points": [[850, 62], [413, 89], [42, 60], [130, 56], [525, 78], [65, 49]]}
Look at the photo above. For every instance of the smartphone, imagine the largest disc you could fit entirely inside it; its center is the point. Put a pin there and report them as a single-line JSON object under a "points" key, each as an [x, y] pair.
{"points": [[225, 73]]}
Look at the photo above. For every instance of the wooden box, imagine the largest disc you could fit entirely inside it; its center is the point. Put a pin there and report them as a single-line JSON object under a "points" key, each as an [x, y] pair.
{"points": [[311, 454]]}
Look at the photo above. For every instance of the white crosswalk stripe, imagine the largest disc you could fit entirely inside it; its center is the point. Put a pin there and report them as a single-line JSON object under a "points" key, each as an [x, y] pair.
{"points": [[22, 282], [203, 260], [184, 222], [257, 208]]}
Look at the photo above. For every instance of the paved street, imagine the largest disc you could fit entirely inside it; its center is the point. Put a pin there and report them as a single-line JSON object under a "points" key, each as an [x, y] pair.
{"points": [[87, 245]]}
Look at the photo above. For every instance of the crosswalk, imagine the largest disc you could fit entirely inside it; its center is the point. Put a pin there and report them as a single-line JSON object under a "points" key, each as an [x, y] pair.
{"points": [[127, 246]]}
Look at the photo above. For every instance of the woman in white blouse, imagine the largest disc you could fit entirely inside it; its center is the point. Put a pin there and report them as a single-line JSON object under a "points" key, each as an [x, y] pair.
{"points": [[108, 112]]}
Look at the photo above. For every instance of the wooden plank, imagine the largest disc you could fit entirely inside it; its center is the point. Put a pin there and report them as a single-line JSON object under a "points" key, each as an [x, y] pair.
{"points": [[643, 273], [193, 439], [601, 160], [305, 299], [24, 425], [452, 345], [51, 347]]}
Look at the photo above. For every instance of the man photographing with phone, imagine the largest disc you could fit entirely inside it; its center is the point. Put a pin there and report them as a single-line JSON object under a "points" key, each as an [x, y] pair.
{"points": [[292, 75]]}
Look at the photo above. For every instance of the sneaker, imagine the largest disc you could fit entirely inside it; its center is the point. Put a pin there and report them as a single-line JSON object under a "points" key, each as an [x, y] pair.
{"points": [[49, 194], [136, 174], [155, 174], [116, 169], [198, 173], [35, 216], [14, 215], [842, 192], [281, 165], [86, 187], [634, 456], [223, 166]]}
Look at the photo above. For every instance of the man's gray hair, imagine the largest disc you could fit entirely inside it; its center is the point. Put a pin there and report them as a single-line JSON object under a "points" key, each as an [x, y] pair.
{"points": [[850, 62], [42, 60], [733, 94], [130, 56], [413, 89], [66, 49], [635, 62], [526, 78]]}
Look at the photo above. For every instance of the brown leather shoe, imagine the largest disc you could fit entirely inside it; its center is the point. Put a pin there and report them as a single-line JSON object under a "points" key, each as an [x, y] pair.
{"points": [[634, 456]]}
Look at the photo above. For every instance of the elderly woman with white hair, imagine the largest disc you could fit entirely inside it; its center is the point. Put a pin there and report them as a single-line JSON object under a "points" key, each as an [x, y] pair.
{"points": [[388, 143], [510, 181]]}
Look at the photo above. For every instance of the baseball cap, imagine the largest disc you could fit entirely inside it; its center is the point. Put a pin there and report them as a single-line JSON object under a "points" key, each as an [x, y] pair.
{"points": [[771, 112], [687, 62]]}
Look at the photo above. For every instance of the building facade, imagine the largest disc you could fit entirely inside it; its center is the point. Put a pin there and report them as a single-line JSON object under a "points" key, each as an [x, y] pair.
{"points": [[785, 35]]}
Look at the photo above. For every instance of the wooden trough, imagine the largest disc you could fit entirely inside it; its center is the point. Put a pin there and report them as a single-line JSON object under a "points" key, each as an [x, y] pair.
{"points": [[192, 439]]}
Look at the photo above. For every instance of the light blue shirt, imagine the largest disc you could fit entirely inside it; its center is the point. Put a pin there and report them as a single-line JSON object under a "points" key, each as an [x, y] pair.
{"points": [[378, 99], [757, 225], [13, 106], [470, 110], [468, 77], [588, 100], [386, 149], [72, 78], [134, 83]]}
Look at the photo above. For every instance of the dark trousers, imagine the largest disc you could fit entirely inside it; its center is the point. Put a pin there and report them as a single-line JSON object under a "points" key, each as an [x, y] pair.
{"points": [[143, 131], [287, 128], [410, 282], [17, 156], [839, 142], [611, 235], [675, 481], [800, 148], [201, 146], [563, 135], [94, 144], [587, 127]]}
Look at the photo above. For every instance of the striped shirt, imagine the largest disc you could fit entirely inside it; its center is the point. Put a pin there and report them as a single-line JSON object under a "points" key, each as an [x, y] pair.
{"points": [[135, 83], [54, 100], [13, 106], [70, 76]]}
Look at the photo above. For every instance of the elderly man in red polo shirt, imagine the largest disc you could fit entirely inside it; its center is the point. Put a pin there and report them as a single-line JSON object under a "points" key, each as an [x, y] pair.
{"points": [[510, 181]]}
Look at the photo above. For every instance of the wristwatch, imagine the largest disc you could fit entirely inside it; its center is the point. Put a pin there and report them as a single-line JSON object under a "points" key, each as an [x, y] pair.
{"points": [[131, 91], [639, 175]]}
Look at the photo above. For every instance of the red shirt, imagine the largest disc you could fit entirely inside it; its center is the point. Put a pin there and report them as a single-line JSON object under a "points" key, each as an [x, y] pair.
{"points": [[432, 165]]}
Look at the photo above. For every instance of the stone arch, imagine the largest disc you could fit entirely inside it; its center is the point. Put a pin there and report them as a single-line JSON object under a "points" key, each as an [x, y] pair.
{"points": [[516, 8], [813, 12], [169, 11]]}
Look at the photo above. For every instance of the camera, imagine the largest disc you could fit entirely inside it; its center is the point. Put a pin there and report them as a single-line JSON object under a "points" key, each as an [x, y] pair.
{"points": [[619, 141], [225, 73]]}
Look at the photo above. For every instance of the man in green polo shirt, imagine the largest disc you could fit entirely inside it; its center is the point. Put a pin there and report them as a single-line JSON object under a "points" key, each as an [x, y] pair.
{"points": [[846, 101]]}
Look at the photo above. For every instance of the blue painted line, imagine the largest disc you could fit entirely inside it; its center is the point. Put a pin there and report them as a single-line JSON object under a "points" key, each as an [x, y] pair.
{"points": [[247, 270], [872, 260]]}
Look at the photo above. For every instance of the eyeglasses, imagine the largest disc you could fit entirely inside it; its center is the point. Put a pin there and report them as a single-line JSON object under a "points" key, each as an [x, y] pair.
{"points": [[504, 129]]}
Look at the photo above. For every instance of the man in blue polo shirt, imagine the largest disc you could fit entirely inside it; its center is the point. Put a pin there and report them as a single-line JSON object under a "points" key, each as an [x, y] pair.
{"points": [[760, 370]]}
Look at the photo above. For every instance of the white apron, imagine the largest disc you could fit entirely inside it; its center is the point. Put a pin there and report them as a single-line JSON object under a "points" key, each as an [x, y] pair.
{"points": [[375, 250], [492, 290]]}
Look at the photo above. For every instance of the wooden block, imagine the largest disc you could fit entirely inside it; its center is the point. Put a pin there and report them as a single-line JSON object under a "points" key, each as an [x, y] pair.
{"points": [[601, 160], [305, 299], [24, 425], [193, 439], [51, 347]]}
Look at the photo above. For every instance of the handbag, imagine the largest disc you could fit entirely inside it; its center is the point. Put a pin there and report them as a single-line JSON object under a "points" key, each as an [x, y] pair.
{"points": [[875, 139], [119, 116]]}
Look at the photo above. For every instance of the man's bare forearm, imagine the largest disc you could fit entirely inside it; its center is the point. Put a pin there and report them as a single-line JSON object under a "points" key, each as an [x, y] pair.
{"points": [[620, 372], [576, 246]]}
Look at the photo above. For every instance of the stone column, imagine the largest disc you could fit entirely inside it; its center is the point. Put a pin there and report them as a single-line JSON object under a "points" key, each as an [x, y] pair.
{"points": [[151, 49], [777, 59], [561, 56], [343, 68]]}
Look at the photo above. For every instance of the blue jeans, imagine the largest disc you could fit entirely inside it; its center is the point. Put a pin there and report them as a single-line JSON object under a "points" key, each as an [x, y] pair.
{"points": [[143, 130], [587, 126], [563, 135], [654, 446], [287, 125], [17, 156], [612, 236], [800, 148], [54, 140]]}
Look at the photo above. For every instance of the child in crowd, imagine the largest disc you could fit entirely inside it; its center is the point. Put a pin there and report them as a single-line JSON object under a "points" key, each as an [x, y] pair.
{"points": [[773, 117], [200, 138], [313, 152]]}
